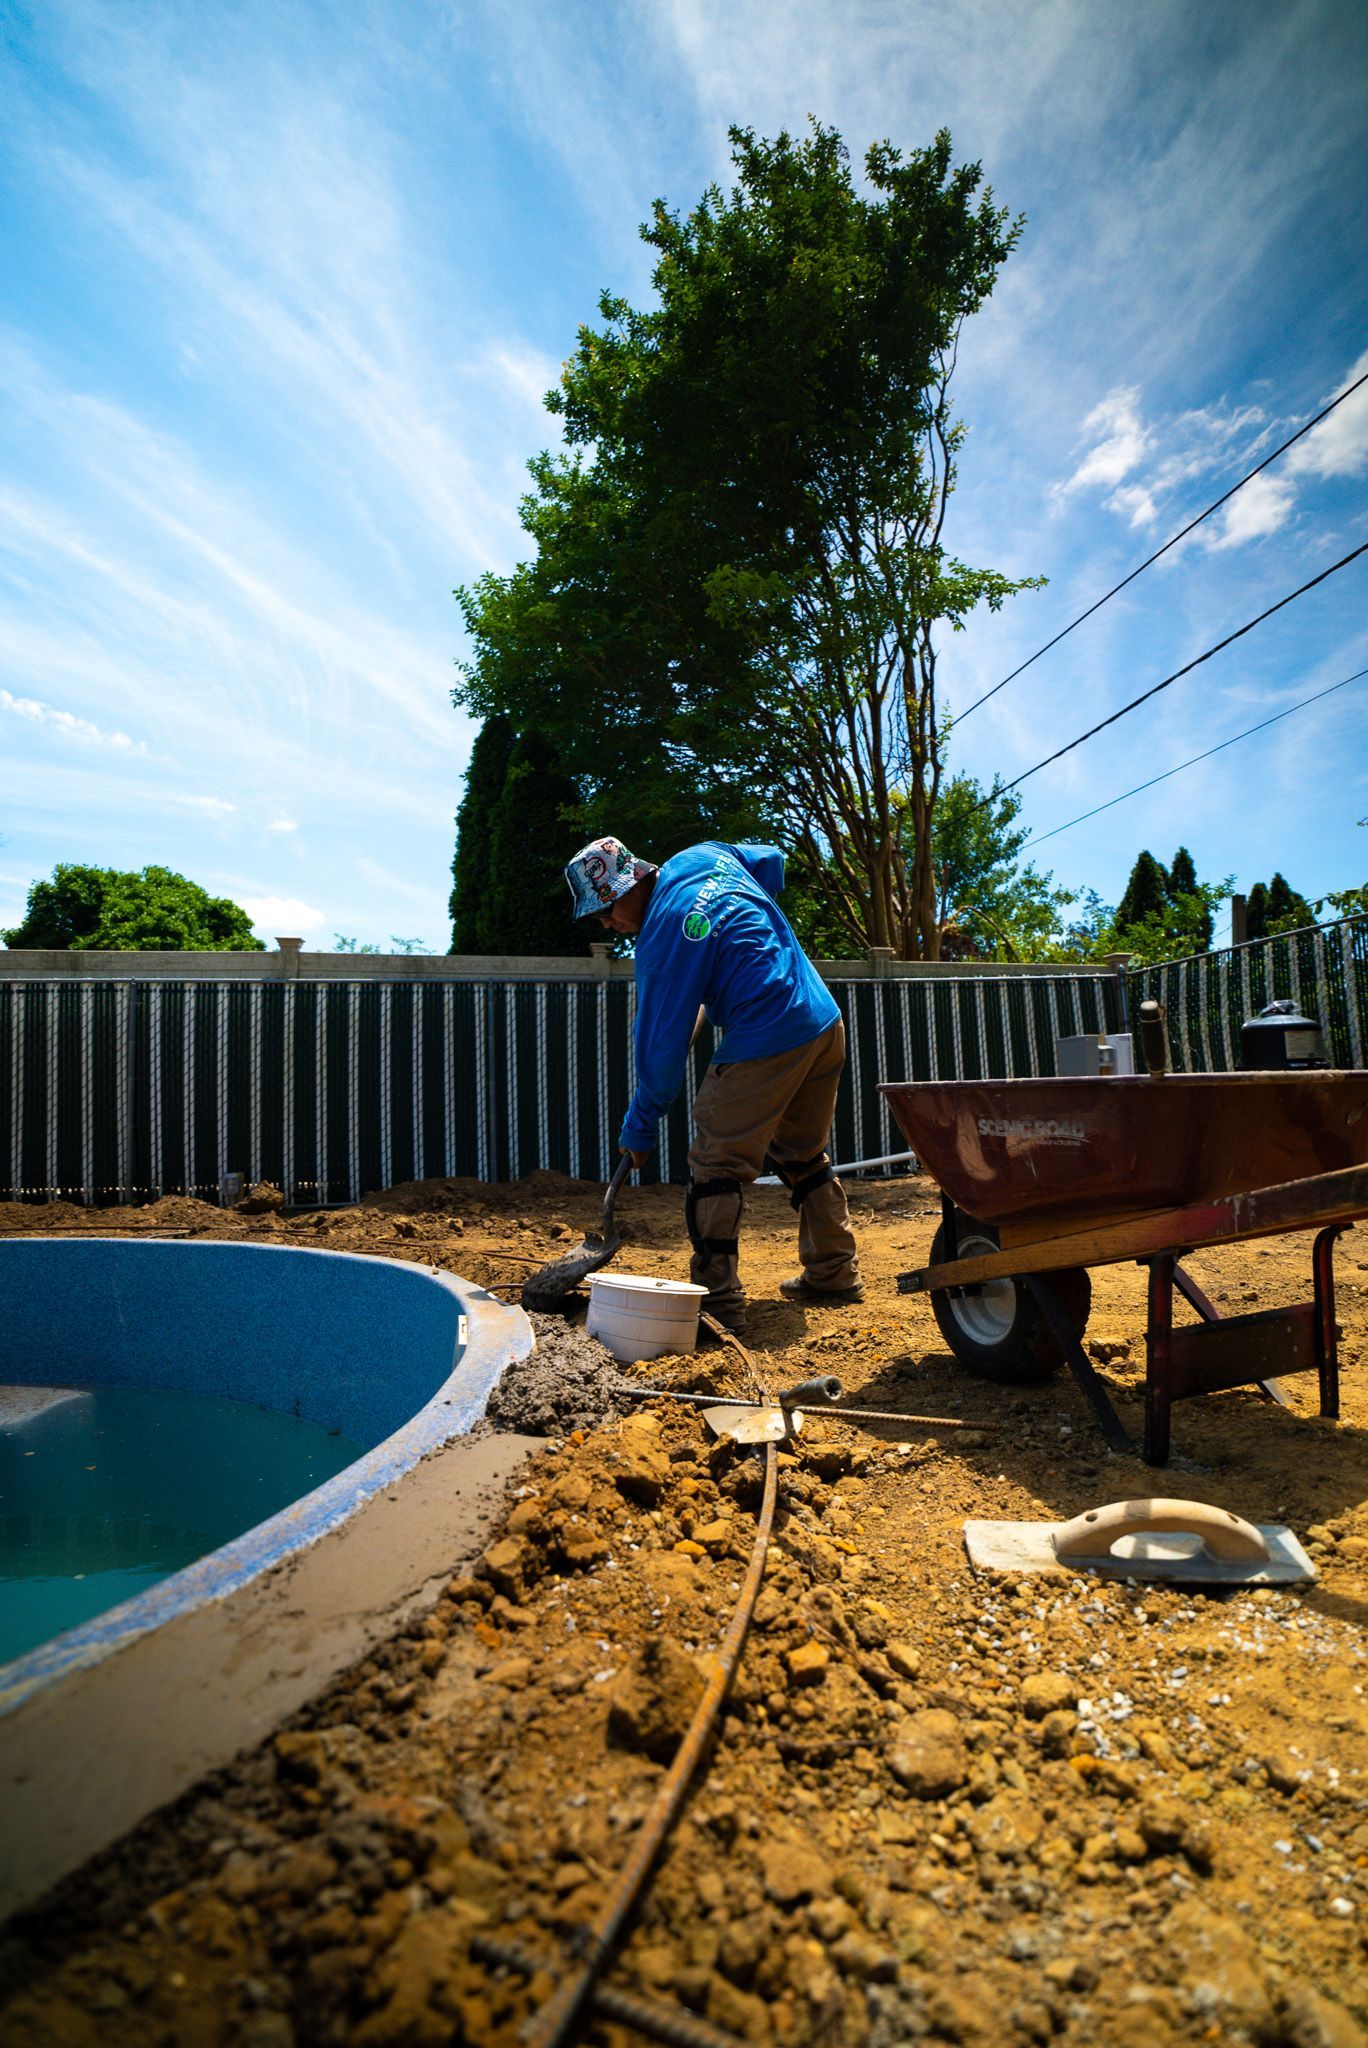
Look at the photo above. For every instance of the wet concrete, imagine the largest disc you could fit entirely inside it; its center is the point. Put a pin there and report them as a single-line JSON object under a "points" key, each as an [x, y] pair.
{"points": [[571, 1381]]}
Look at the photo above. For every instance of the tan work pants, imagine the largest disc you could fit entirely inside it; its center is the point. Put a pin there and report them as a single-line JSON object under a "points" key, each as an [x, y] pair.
{"points": [[781, 1105]]}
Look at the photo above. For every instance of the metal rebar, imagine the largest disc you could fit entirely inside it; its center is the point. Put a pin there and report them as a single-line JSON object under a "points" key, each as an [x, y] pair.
{"points": [[649, 2016], [554, 2024], [856, 1414]]}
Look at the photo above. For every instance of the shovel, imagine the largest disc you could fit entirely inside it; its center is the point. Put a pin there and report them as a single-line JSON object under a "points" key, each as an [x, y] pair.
{"points": [[549, 1285]]}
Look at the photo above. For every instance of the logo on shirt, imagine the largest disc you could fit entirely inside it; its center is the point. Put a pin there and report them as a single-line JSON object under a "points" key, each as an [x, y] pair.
{"points": [[696, 926]]}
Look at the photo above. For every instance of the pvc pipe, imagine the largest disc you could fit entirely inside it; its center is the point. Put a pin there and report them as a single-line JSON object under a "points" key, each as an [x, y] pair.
{"points": [[772, 1180]]}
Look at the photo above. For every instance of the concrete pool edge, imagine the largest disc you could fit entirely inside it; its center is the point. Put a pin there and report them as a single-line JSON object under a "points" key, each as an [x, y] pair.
{"points": [[103, 1725]]}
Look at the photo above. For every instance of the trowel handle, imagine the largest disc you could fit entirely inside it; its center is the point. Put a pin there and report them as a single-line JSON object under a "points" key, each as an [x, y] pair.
{"points": [[623, 1168], [827, 1388], [1226, 1535]]}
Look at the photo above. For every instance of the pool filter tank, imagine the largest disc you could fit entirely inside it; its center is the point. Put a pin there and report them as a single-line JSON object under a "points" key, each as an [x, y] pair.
{"points": [[1281, 1038]]}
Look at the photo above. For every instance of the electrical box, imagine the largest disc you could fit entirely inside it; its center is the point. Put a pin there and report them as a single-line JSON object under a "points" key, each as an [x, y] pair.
{"points": [[1111, 1054]]}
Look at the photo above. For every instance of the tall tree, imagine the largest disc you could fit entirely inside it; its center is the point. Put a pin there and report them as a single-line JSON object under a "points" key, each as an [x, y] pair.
{"points": [[535, 830], [472, 866], [1146, 893], [1274, 907], [111, 910], [1165, 913], [730, 622], [1182, 882], [1288, 910], [518, 824], [1006, 907]]}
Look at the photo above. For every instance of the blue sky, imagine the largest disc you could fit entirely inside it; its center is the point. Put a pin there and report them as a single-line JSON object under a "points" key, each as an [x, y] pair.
{"points": [[281, 287]]}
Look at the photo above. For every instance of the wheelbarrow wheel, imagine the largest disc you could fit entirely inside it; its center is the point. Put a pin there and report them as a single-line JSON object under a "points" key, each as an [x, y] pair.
{"points": [[998, 1332]]}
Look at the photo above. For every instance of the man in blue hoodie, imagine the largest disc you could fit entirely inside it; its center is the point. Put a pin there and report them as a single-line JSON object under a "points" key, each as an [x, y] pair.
{"points": [[711, 940]]}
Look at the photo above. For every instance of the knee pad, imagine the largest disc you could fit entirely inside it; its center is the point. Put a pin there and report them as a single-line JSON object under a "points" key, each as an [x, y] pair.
{"points": [[700, 1190], [805, 1177]]}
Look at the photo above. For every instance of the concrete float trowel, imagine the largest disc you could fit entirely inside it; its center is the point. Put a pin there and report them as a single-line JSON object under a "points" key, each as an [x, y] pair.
{"points": [[1187, 1542], [547, 1288]]}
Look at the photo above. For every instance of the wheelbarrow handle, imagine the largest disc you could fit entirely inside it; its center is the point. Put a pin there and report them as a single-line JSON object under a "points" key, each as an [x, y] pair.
{"points": [[624, 1167]]}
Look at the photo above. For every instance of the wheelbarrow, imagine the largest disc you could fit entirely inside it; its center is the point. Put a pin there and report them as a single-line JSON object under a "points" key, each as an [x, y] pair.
{"points": [[1043, 1179]]}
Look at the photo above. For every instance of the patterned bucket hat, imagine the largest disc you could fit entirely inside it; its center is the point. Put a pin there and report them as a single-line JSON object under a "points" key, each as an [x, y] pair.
{"points": [[601, 872]]}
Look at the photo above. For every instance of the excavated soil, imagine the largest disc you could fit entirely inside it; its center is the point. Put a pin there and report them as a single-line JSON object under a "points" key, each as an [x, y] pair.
{"points": [[941, 1808]]}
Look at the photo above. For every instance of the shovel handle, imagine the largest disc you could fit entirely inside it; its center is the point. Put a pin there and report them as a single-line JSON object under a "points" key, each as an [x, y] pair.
{"points": [[623, 1168], [807, 1392]]}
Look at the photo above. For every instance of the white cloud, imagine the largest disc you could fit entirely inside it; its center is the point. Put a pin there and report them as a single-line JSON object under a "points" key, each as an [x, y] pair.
{"points": [[283, 825], [1135, 502], [216, 805], [1123, 444], [1262, 507], [282, 916], [66, 722], [1339, 445]]}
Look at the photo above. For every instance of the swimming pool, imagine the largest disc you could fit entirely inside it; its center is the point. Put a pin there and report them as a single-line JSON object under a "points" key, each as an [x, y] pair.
{"points": [[114, 1716]]}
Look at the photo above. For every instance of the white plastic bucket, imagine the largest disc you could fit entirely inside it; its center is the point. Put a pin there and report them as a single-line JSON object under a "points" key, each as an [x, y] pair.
{"points": [[637, 1318]]}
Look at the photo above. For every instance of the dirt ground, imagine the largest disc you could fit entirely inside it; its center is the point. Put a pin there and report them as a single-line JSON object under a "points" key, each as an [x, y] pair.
{"points": [[942, 1808]]}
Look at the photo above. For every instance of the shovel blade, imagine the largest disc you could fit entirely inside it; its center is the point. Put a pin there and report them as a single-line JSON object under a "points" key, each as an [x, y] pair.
{"points": [[549, 1285], [750, 1425]]}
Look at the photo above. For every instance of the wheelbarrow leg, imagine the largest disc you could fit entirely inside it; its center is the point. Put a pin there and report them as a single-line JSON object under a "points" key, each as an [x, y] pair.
{"points": [[1209, 1313], [1159, 1358], [1078, 1361], [1327, 1332]]}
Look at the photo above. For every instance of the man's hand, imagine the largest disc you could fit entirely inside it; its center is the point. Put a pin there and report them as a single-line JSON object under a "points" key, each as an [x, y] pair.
{"points": [[638, 1159]]}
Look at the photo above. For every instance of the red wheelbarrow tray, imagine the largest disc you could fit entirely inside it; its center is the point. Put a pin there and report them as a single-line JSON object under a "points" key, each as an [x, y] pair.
{"points": [[1039, 1156]]}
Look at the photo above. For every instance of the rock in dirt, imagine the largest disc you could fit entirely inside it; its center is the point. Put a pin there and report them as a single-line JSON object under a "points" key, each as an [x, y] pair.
{"points": [[792, 1871], [926, 1754], [1046, 1692], [1310, 2020], [807, 1664], [652, 1702], [1007, 1826], [262, 1199], [571, 1381]]}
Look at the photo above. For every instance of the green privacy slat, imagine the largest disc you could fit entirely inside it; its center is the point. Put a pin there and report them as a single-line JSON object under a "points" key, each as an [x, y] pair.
{"points": [[469, 1100], [971, 1065], [334, 1175], [65, 1102], [369, 1175], [403, 1158], [271, 1086], [106, 1096], [32, 1026], [994, 1031], [138, 1063], [555, 999], [301, 1052], [9, 1161], [619, 1076], [431, 1163], [171, 1067], [527, 1080]]}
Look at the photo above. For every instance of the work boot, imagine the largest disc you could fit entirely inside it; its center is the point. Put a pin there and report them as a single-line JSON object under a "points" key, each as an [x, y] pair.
{"points": [[801, 1289]]}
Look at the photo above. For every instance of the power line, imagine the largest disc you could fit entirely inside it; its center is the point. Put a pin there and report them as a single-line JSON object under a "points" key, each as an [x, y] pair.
{"points": [[1191, 525], [1263, 724], [1145, 695]]}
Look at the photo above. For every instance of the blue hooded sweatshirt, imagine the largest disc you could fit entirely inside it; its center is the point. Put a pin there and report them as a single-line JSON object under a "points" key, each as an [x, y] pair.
{"points": [[715, 935]]}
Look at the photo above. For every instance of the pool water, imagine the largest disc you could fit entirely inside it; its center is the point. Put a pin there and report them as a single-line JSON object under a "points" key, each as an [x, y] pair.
{"points": [[108, 1490]]}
